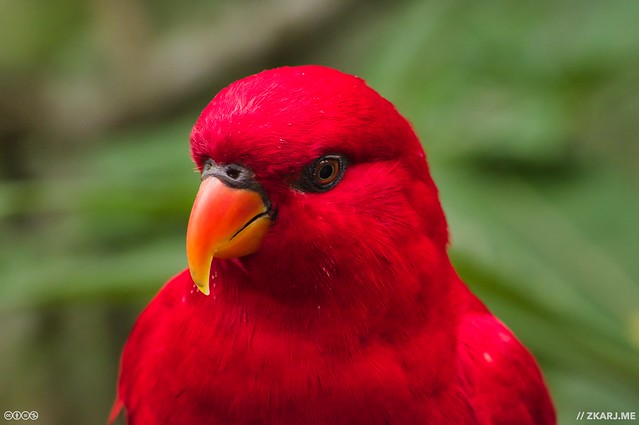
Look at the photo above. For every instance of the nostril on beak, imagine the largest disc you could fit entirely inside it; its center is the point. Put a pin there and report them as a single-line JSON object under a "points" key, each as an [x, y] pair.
{"points": [[233, 172]]}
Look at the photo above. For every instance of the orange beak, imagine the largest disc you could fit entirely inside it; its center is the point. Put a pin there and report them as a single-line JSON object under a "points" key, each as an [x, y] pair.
{"points": [[225, 222]]}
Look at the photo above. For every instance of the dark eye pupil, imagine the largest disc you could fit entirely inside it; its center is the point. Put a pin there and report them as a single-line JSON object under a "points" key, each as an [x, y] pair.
{"points": [[326, 172]]}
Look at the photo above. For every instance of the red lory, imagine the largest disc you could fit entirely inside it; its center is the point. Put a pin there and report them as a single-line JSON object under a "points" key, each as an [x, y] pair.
{"points": [[319, 290]]}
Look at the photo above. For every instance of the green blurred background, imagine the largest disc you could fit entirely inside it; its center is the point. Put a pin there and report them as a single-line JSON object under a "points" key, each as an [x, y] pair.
{"points": [[529, 112]]}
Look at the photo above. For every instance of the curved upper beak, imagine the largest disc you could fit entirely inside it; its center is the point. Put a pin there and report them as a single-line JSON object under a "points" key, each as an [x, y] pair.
{"points": [[225, 222]]}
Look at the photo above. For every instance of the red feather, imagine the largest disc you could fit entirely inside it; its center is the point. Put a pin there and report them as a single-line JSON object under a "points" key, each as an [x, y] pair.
{"points": [[350, 312]]}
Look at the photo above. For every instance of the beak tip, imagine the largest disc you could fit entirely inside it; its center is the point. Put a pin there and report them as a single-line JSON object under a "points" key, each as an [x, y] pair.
{"points": [[202, 284], [204, 288]]}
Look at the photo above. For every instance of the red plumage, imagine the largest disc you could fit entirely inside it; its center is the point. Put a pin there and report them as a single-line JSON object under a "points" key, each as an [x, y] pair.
{"points": [[350, 311]]}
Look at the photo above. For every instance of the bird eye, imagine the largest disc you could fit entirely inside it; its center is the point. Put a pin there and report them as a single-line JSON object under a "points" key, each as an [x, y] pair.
{"points": [[324, 173]]}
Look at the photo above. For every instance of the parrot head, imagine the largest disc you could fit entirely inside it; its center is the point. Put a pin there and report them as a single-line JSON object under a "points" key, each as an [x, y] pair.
{"points": [[318, 234], [311, 179]]}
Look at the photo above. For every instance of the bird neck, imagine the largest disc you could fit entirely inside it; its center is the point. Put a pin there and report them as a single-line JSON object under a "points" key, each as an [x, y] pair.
{"points": [[335, 306]]}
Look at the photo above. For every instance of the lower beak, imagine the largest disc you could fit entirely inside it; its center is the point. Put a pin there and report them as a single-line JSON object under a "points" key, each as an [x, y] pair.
{"points": [[225, 222]]}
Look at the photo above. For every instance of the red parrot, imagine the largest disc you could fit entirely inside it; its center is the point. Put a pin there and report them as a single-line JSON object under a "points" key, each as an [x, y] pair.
{"points": [[319, 289]]}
